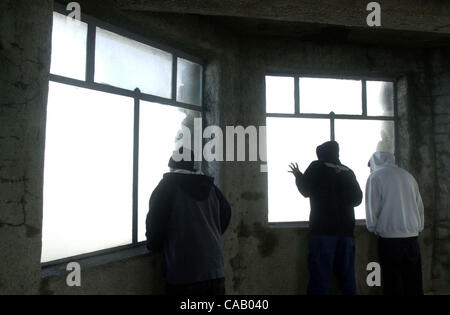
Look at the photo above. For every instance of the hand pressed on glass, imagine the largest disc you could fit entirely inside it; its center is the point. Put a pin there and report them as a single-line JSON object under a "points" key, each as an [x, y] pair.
{"points": [[294, 169]]}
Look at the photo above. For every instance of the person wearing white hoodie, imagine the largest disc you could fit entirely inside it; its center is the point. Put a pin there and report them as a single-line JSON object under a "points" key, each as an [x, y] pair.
{"points": [[395, 213]]}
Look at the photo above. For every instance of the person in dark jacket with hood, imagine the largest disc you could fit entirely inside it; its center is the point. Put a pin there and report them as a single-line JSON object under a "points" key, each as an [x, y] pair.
{"points": [[334, 192], [187, 216]]}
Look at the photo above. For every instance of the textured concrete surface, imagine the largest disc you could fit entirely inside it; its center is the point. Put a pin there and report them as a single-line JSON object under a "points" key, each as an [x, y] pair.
{"points": [[440, 69], [25, 30], [258, 259], [412, 15]]}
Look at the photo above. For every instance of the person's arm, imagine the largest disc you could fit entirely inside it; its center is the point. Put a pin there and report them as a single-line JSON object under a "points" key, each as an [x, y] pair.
{"points": [[373, 198], [421, 209], [158, 216], [303, 181], [352, 194], [225, 210]]}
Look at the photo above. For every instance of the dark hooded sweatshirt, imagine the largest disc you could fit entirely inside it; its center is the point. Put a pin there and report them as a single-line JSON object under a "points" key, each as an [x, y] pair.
{"points": [[187, 216], [333, 191]]}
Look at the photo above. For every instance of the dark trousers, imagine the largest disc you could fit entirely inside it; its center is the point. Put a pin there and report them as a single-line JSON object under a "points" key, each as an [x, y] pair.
{"points": [[401, 266], [328, 254], [209, 287]]}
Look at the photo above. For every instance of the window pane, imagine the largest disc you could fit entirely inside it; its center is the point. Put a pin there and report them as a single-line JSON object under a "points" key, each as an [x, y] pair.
{"points": [[68, 47], [291, 140], [88, 172], [159, 127], [321, 96], [380, 98], [128, 64], [356, 148], [280, 95], [189, 82]]}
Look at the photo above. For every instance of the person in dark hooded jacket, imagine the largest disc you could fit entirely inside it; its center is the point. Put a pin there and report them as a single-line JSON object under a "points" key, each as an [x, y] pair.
{"points": [[187, 216], [334, 192]]}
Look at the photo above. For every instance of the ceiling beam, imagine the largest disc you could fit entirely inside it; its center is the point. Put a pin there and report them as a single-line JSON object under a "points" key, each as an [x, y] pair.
{"points": [[406, 15]]}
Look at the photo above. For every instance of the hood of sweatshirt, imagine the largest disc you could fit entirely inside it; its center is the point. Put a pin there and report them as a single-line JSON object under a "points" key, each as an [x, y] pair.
{"points": [[381, 159], [328, 152], [197, 186]]}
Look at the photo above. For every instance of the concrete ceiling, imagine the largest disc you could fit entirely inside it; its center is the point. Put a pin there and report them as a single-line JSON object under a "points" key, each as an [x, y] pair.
{"points": [[422, 16], [327, 34]]}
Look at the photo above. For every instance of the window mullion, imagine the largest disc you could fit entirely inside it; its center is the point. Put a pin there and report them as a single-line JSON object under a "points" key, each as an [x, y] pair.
{"points": [[332, 119], [90, 52], [174, 77], [297, 94], [364, 98], [136, 166]]}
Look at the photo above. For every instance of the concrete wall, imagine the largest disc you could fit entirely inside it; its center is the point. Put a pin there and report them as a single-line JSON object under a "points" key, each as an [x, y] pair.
{"points": [[25, 32], [258, 259]]}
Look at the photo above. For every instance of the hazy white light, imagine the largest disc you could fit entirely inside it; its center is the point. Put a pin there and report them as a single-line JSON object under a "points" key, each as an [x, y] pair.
{"points": [[358, 140], [296, 139], [159, 126], [88, 172], [380, 98], [189, 82], [280, 95], [129, 64], [291, 140], [68, 47], [321, 96]]}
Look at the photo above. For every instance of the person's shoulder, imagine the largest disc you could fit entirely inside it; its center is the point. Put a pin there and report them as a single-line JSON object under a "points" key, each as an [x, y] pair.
{"points": [[316, 164], [166, 182], [345, 168]]}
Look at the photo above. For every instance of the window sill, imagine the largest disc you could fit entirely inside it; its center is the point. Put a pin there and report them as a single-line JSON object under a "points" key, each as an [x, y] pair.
{"points": [[303, 224], [58, 267]]}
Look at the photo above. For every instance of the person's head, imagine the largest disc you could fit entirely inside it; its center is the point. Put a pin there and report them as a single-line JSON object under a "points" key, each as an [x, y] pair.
{"points": [[380, 159], [328, 152], [182, 159]]}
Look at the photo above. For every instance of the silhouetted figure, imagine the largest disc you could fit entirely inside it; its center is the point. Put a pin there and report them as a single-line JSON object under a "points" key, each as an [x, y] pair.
{"points": [[187, 216], [395, 213], [333, 192]]}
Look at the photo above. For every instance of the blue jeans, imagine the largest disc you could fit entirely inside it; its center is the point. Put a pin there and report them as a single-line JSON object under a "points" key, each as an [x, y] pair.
{"points": [[326, 255]]}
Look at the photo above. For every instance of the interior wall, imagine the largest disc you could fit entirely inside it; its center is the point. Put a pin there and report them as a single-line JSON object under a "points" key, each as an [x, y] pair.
{"points": [[440, 93], [25, 33]]}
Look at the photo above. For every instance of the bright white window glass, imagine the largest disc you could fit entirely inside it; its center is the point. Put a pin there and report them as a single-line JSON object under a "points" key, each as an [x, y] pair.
{"points": [[356, 148], [280, 95], [380, 98], [68, 47], [128, 64], [291, 140], [322, 96], [189, 82], [88, 172], [159, 128]]}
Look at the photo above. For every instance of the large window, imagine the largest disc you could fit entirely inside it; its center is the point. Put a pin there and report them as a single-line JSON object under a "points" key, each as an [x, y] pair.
{"points": [[303, 112], [116, 105]]}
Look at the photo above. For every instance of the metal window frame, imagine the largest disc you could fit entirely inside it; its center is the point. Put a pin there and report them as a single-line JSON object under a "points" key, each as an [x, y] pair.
{"points": [[135, 247], [333, 117]]}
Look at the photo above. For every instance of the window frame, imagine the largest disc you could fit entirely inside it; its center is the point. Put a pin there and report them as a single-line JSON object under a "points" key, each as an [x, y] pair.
{"points": [[135, 248], [332, 117]]}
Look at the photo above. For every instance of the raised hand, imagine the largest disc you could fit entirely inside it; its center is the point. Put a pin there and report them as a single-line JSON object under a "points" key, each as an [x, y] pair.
{"points": [[294, 169]]}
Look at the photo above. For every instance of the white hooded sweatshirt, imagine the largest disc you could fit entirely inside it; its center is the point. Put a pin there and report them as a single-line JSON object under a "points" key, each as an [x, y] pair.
{"points": [[394, 207]]}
